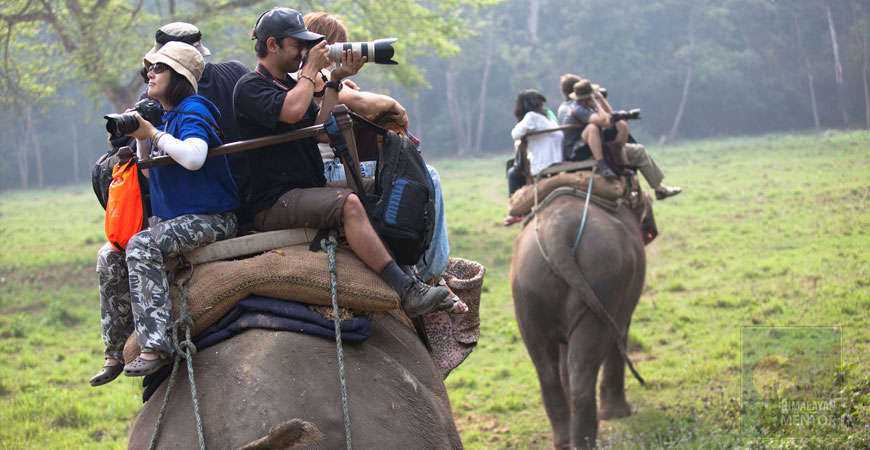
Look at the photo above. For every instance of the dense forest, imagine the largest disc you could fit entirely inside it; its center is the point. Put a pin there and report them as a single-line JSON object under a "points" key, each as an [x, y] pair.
{"points": [[697, 68]]}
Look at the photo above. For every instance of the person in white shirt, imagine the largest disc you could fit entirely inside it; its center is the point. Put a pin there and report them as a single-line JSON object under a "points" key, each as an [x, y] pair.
{"points": [[542, 150]]}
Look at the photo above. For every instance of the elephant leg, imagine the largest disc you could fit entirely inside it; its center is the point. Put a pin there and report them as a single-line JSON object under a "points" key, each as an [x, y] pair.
{"points": [[546, 357], [612, 389], [587, 348]]}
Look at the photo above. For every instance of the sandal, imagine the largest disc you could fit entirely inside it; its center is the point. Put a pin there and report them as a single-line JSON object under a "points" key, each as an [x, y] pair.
{"points": [[141, 367], [108, 373]]}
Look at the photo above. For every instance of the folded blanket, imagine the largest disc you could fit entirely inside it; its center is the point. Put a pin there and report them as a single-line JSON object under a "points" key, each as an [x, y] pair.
{"points": [[267, 313]]}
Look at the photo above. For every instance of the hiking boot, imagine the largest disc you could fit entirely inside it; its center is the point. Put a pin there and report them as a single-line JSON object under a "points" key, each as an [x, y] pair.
{"points": [[663, 192], [420, 298], [603, 169]]}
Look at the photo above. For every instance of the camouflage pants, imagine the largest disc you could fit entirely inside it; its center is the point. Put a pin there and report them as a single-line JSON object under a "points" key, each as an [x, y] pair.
{"points": [[134, 288]]}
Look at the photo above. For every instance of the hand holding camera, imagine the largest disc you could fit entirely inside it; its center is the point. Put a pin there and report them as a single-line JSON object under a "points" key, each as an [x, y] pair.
{"points": [[350, 64], [633, 114], [138, 121]]}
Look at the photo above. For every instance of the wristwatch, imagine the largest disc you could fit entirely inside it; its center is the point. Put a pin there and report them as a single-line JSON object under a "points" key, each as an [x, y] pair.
{"points": [[335, 84]]}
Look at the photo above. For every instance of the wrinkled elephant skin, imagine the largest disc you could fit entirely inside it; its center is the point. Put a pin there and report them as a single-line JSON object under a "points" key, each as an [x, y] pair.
{"points": [[566, 341], [253, 386]]}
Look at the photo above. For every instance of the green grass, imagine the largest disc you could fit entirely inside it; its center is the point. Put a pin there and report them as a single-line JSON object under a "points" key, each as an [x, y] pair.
{"points": [[771, 231]]}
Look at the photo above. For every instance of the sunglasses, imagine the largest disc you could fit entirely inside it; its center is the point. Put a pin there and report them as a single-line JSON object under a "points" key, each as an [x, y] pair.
{"points": [[157, 68]]}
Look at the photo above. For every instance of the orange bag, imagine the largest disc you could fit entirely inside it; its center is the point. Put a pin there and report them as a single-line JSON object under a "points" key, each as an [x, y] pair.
{"points": [[124, 213]]}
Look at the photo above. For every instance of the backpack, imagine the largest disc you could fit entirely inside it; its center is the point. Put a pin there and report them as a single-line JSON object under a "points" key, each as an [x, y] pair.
{"points": [[402, 207]]}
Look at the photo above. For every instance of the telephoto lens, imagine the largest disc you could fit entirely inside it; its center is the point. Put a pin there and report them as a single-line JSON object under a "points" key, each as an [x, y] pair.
{"points": [[380, 51]]}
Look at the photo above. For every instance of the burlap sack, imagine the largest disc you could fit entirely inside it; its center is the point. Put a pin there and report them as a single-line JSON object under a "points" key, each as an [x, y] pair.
{"points": [[523, 200], [289, 273]]}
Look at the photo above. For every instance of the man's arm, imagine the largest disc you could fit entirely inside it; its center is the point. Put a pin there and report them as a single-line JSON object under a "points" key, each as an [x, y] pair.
{"points": [[299, 98], [584, 114], [603, 104], [370, 104]]}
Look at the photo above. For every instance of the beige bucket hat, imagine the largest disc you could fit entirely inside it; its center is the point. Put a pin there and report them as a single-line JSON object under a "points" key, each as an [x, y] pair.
{"points": [[582, 90], [182, 58]]}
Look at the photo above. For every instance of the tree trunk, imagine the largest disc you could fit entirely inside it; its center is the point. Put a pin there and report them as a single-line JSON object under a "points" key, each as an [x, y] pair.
{"points": [[416, 118], [534, 8], [21, 157], [686, 84], [74, 141], [838, 68], [481, 101], [806, 60], [34, 145], [457, 116], [866, 71]]}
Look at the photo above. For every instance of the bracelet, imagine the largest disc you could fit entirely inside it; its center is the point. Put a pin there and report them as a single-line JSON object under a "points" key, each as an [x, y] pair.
{"points": [[156, 138], [306, 77]]}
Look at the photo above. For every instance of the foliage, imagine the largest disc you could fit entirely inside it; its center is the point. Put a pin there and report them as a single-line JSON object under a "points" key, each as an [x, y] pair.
{"points": [[770, 231]]}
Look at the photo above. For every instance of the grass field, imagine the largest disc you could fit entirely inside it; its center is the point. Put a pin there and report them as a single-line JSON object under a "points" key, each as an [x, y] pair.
{"points": [[771, 232]]}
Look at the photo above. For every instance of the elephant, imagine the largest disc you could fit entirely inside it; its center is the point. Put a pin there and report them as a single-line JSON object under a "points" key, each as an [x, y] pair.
{"points": [[553, 287], [276, 389]]}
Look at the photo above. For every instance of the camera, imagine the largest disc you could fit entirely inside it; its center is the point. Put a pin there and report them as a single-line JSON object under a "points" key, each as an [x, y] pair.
{"points": [[380, 51], [633, 114], [123, 124]]}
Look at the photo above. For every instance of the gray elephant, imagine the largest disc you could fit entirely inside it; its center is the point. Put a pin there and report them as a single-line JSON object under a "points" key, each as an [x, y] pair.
{"points": [[275, 389], [554, 290]]}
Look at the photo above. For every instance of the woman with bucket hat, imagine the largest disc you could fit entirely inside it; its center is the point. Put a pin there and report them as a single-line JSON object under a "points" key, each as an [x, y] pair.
{"points": [[192, 203]]}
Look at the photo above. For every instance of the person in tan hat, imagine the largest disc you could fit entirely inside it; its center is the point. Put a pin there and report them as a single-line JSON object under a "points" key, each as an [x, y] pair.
{"points": [[636, 154], [594, 128], [193, 204], [218, 79]]}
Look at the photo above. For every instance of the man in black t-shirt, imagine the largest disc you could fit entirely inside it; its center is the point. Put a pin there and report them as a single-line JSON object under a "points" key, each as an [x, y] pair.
{"points": [[287, 188]]}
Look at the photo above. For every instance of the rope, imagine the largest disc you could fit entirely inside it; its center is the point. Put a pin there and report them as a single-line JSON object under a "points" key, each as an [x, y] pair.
{"points": [[330, 245], [583, 218], [184, 349]]}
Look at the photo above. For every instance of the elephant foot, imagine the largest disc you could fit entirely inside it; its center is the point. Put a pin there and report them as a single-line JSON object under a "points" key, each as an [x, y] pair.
{"points": [[611, 410]]}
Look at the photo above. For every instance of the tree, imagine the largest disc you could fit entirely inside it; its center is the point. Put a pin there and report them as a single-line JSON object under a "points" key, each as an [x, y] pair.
{"points": [[79, 28]]}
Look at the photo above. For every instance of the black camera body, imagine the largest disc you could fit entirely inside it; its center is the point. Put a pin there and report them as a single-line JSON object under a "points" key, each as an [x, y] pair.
{"points": [[633, 114], [119, 125]]}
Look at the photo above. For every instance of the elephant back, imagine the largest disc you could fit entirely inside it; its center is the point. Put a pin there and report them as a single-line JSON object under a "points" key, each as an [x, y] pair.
{"points": [[261, 379]]}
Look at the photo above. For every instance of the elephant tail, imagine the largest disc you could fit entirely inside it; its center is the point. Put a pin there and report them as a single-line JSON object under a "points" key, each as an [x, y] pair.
{"points": [[293, 433], [563, 264]]}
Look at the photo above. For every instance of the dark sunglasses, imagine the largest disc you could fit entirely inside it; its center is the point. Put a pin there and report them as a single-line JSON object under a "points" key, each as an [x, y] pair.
{"points": [[157, 68]]}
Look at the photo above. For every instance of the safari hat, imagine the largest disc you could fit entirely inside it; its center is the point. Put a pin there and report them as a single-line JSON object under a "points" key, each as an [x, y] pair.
{"points": [[180, 32], [582, 90], [182, 58]]}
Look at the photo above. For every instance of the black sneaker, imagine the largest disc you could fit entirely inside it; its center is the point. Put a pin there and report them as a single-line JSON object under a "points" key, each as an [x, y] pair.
{"points": [[420, 298], [604, 169]]}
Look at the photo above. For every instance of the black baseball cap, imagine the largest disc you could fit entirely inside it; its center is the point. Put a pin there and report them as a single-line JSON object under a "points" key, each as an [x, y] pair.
{"points": [[283, 22]]}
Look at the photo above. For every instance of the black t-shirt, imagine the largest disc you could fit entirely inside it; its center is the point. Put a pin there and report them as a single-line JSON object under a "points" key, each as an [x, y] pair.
{"points": [[272, 171], [216, 84]]}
